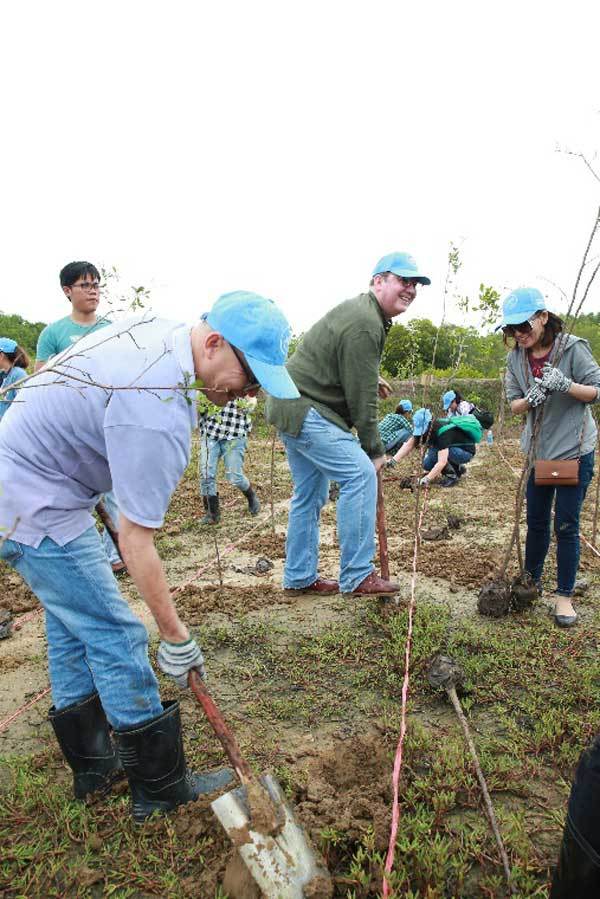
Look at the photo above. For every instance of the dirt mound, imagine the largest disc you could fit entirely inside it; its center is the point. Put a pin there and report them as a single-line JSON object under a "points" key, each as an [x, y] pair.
{"points": [[266, 544], [16, 595], [194, 602], [439, 559], [348, 787]]}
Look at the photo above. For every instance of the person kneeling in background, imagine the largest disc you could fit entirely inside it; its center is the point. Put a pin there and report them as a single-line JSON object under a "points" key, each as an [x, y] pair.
{"points": [[449, 447], [395, 428]]}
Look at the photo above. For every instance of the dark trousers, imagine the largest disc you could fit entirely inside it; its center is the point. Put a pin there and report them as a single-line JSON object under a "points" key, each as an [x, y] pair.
{"points": [[569, 501]]}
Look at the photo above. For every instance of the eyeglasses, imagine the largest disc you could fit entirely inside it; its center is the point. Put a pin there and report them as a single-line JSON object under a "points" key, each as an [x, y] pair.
{"points": [[524, 328], [87, 285], [253, 383]]}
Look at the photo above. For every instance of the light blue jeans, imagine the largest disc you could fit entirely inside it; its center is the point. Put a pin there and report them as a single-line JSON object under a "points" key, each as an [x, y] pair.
{"points": [[95, 642], [113, 510], [322, 452], [232, 452]]}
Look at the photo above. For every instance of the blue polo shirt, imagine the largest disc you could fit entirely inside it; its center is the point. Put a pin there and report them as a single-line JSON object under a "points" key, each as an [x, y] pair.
{"points": [[76, 435]]}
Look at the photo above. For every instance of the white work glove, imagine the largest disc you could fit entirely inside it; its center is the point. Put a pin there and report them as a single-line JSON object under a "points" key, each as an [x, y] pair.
{"points": [[536, 395], [177, 659], [553, 379], [424, 481]]}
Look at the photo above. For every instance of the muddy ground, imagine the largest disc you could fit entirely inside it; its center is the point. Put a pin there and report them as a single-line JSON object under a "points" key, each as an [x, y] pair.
{"points": [[327, 724]]}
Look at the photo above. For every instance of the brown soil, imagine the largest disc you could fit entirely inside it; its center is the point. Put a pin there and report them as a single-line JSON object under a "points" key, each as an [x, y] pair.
{"points": [[347, 785], [195, 602], [14, 592], [338, 771]]}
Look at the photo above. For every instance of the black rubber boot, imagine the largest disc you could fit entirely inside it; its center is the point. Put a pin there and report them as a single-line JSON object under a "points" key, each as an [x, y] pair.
{"points": [[84, 737], [213, 514], [253, 502], [578, 872], [153, 758]]}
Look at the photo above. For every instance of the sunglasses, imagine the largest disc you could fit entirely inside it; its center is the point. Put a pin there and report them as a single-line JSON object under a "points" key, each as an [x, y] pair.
{"points": [[253, 383], [524, 328]]}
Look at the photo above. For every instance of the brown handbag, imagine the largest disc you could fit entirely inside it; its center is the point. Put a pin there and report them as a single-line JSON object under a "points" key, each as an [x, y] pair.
{"points": [[557, 473]]}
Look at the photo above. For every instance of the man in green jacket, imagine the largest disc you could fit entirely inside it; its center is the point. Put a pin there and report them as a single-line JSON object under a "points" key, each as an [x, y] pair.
{"points": [[336, 369]]}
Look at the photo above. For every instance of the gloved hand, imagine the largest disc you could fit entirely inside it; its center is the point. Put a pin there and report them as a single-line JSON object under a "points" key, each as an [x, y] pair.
{"points": [[424, 481], [391, 463], [177, 659], [553, 379], [536, 395]]}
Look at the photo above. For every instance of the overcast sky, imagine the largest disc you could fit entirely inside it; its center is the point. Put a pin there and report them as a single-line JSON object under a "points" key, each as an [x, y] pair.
{"points": [[284, 147]]}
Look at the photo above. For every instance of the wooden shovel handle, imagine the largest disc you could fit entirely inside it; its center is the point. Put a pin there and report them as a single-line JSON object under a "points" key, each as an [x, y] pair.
{"points": [[108, 523], [384, 559], [220, 727]]}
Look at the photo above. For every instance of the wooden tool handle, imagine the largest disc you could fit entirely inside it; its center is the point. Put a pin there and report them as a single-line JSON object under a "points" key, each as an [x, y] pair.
{"points": [[220, 727], [108, 523], [384, 560]]}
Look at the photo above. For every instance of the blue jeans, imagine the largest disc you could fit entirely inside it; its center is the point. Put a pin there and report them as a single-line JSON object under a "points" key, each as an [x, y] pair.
{"points": [[458, 455], [569, 501], [95, 642], [394, 443], [322, 452], [232, 452], [113, 510]]}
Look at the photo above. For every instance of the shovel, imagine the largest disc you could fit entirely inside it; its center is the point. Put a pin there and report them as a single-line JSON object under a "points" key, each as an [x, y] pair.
{"points": [[384, 559], [261, 825]]}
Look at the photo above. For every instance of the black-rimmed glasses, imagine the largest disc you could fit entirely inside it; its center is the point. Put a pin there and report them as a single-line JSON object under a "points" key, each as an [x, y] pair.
{"points": [[87, 285], [253, 383]]}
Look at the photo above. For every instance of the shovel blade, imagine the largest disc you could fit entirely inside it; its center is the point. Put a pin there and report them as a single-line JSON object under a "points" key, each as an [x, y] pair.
{"points": [[283, 864]]}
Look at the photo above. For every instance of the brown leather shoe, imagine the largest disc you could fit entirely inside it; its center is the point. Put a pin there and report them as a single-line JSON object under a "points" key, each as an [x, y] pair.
{"points": [[321, 585], [375, 585]]}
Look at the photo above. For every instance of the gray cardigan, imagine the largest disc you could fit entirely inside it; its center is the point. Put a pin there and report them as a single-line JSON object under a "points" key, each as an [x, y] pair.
{"points": [[564, 416]]}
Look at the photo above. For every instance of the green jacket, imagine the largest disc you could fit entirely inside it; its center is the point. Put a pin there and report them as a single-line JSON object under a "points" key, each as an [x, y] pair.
{"points": [[336, 368]]}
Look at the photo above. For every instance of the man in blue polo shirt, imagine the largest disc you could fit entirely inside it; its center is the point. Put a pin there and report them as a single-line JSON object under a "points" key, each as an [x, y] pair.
{"points": [[118, 412]]}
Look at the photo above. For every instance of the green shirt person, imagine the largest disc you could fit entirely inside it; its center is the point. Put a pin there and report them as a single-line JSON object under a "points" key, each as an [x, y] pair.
{"points": [[80, 282], [336, 370]]}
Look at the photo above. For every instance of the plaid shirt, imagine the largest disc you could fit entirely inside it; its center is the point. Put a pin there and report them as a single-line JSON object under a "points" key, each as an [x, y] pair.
{"points": [[228, 424], [391, 425]]}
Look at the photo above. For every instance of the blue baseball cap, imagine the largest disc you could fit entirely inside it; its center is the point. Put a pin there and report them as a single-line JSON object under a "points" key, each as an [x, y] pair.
{"points": [[405, 405], [401, 264], [8, 345], [421, 421], [448, 398], [520, 305], [254, 325]]}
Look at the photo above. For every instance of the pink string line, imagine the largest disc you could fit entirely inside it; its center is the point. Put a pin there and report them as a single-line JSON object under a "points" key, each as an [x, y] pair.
{"points": [[28, 616], [514, 470], [389, 863], [4, 724], [590, 545]]}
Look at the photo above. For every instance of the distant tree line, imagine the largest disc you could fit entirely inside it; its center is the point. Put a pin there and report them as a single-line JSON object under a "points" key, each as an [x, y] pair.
{"points": [[25, 333], [420, 347]]}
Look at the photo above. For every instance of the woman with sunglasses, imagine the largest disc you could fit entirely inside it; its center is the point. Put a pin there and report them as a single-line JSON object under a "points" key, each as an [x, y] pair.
{"points": [[554, 376]]}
